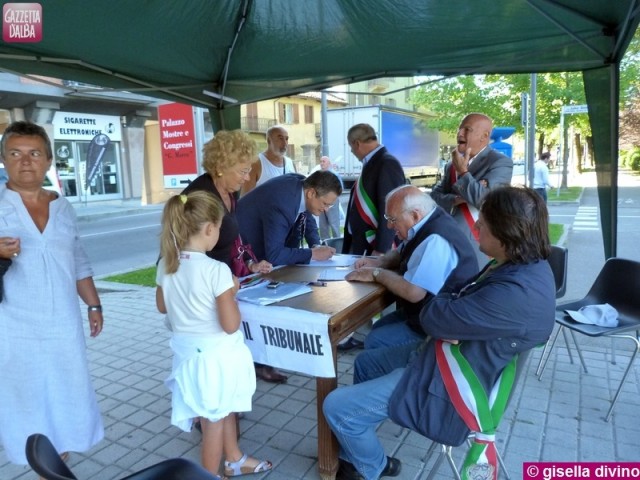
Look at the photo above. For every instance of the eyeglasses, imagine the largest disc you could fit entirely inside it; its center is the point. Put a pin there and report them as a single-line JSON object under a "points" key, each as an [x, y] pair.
{"points": [[391, 219], [325, 205]]}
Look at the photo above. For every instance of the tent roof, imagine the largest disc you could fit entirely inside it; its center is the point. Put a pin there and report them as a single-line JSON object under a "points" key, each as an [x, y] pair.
{"points": [[249, 50]]}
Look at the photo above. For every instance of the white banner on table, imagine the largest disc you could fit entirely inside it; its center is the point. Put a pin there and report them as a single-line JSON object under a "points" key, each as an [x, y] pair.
{"points": [[288, 338]]}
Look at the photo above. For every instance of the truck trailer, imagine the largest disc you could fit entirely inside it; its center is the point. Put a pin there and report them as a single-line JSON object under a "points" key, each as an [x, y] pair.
{"points": [[403, 132]]}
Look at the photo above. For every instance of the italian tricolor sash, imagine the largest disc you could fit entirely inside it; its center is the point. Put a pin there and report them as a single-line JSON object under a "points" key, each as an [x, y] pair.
{"points": [[480, 413], [367, 210], [469, 212]]}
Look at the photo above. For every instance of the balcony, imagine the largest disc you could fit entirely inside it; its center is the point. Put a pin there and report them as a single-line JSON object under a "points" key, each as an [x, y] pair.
{"points": [[378, 85], [256, 124]]}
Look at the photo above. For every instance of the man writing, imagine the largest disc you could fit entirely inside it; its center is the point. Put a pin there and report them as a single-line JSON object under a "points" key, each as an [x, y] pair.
{"points": [[474, 170], [274, 218], [433, 251], [272, 162]]}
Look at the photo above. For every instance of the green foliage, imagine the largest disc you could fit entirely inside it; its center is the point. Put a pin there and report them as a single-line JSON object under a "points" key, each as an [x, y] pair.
{"points": [[570, 194], [555, 232], [145, 277]]}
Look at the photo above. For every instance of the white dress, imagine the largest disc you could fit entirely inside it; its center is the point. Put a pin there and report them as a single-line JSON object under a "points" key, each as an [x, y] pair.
{"points": [[213, 373], [45, 386]]}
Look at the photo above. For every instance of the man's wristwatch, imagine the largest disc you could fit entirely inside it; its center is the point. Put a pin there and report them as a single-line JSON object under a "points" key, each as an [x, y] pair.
{"points": [[94, 308], [376, 272]]}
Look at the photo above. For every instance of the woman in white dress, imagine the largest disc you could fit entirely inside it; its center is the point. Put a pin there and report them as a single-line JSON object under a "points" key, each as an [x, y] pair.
{"points": [[45, 386], [213, 374]]}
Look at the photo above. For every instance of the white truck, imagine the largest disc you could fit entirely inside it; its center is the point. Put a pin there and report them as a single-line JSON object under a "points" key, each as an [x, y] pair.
{"points": [[403, 133]]}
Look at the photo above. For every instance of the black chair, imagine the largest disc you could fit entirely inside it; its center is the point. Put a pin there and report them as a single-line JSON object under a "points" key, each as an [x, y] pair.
{"points": [[617, 284], [558, 260], [446, 451], [46, 462]]}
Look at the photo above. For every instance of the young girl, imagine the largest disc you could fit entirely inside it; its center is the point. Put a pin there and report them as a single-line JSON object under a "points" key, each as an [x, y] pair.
{"points": [[213, 372]]}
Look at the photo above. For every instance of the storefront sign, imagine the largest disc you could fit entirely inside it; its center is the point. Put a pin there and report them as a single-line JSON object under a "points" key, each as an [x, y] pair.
{"points": [[85, 126], [177, 142]]}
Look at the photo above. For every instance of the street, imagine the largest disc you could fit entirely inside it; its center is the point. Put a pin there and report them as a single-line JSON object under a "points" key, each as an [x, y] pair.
{"points": [[121, 243]]}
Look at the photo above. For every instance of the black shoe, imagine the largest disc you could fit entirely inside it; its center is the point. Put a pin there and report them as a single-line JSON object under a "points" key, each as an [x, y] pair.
{"points": [[270, 374], [347, 471], [350, 344], [392, 469]]}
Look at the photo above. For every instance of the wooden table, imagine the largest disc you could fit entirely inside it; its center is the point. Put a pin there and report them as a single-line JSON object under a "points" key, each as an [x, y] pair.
{"points": [[351, 305]]}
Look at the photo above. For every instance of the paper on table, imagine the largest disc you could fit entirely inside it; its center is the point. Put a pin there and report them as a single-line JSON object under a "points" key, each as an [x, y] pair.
{"points": [[331, 274], [335, 261], [261, 295]]}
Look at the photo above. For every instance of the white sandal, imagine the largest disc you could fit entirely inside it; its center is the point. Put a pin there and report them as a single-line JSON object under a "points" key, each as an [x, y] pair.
{"points": [[235, 469]]}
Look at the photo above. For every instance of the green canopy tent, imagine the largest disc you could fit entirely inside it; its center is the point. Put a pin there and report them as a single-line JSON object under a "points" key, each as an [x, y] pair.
{"points": [[223, 53]]}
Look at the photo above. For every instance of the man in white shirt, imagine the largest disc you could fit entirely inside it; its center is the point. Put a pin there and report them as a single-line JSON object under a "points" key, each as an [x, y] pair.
{"points": [[272, 162], [541, 175]]}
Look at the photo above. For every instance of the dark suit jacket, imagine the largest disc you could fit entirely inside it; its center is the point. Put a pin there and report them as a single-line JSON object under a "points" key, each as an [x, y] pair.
{"points": [[508, 312], [381, 174], [267, 220], [489, 165]]}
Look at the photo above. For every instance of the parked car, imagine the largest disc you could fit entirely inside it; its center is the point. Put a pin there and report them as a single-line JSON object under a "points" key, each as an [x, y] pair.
{"points": [[51, 180]]}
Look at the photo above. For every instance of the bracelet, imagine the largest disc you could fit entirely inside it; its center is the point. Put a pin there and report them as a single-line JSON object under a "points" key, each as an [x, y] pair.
{"points": [[250, 262], [94, 308]]}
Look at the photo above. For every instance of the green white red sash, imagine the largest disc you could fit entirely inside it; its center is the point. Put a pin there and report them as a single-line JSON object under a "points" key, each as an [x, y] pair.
{"points": [[367, 210], [469, 212], [480, 413]]}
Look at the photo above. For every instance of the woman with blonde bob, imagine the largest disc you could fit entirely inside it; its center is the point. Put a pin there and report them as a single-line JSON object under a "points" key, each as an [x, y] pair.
{"points": [[212, 374], [227, 160]]}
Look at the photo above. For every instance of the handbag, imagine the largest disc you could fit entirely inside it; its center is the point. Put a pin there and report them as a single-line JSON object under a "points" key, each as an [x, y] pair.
{"points": [[5, 263], [238, 251]]}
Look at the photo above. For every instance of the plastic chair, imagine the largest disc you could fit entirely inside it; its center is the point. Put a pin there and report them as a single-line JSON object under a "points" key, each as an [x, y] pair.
{"points": [[46, 462], [617, 284], [446, 451], [558, 260]]}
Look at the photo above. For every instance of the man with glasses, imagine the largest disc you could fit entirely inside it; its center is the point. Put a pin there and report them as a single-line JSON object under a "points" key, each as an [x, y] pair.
{"points": [[475, 169], [277, 216], [434, 252]]}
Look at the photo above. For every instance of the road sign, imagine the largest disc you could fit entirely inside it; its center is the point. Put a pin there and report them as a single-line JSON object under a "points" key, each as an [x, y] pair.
{"points": [[574, 109]]}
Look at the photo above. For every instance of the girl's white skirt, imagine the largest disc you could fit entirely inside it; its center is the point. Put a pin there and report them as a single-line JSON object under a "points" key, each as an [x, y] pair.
{"points": [[211, 377]]}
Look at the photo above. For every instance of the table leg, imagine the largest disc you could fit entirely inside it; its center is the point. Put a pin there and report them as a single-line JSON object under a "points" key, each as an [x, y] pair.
{"points": [[327, 442]]}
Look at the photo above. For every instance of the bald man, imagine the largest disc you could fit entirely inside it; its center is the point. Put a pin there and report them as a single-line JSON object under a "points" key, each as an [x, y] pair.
{"points": [[475, 169], [272, 162]]}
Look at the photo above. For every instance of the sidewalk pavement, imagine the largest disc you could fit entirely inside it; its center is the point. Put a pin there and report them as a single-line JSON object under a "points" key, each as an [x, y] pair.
{"points": [[557, 419]]}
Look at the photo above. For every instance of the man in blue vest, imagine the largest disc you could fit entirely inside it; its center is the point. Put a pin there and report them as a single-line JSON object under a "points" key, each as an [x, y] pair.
{"points": [[434, 252]]}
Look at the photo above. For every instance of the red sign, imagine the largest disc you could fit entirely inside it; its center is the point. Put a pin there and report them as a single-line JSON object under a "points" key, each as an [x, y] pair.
{"points": [[22, 22], [177, 139]]}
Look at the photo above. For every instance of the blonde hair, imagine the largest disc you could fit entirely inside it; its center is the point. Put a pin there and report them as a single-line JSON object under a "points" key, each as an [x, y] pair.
{"points": [[183, 217], [227, 149]]}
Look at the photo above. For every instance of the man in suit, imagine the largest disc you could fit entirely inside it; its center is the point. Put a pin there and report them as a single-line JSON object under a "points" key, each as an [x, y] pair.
{"points": [[276, 216], [474, 169], [365, 230], [478, 328]]}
